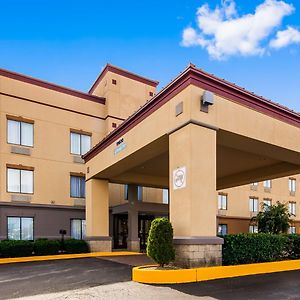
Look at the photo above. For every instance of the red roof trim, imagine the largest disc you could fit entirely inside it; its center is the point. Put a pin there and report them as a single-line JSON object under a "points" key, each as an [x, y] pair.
{"points": [[51, 86], [199, 78], [122, 72]]}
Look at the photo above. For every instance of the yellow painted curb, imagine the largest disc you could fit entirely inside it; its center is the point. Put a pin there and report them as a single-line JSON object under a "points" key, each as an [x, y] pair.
{"points": [[143, 275], [64, 256]]}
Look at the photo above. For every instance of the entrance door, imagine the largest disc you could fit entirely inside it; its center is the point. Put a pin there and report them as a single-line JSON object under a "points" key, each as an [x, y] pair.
{"points": [[144, 227], [120, 231]]}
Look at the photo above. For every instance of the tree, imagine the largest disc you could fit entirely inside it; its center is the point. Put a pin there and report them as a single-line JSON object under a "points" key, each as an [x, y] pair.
{"points": [[160, 242], [274, 219]]}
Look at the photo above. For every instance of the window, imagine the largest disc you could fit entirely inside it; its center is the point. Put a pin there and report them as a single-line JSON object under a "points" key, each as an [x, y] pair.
{"points": [[253, 229], [222, 201], [292, 229], [253, 204], [267, 184], [80, 143], [19, 228], [140, 193], [78, 229], [19, 181], [267, 203], [77, 185], [222, 229], [292, 185], [165, 196], [126, 191], [292, 208], [20, 133], [254, 184]]}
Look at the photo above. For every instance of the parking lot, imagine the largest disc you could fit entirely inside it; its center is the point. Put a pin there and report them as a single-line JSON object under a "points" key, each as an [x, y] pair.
{"points": [[94, 278]]}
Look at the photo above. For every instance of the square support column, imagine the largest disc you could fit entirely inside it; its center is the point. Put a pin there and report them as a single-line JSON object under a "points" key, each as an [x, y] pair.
{"points": [[193, 205], [133, 241], [97, 215]]}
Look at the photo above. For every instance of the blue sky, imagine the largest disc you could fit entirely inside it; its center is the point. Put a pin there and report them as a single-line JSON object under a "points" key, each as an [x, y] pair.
{"points": [[69, 42]]}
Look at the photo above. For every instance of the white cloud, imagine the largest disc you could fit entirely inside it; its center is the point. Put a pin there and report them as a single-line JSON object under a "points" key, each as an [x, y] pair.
{"points": [[285, 37], [223, 33]]}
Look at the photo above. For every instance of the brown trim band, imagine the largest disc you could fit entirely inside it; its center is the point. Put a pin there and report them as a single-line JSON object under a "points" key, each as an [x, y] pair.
{"points": [[77, 174], [19, 167], [19, 119], [80, 131], [122, 72], [51, 86], [201, 79], [62, 108]]}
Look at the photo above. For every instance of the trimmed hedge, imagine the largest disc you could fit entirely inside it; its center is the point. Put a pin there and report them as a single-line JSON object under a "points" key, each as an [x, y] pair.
{"points": [[12, 248], [258, 247], [294, 247], [46, 247], [76, 246]]}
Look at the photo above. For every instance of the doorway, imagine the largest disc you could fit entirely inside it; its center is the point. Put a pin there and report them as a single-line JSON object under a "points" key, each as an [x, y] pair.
{"points": [[144, 227], [120, 231]]}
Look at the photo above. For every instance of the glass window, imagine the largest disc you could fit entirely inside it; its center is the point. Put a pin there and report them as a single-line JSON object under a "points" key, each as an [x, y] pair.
{"points": [[165, 196], [254, 183], [267, 184], [267, 203], [222, 229], [19, 133], [253, 204], [253, 229], [126, 191], [140, 193], [292, 230], [19, 228], [80, 143], [292, 185], [19, 181], [292, 208], [222, 201], [77, 187], [78, 229]]}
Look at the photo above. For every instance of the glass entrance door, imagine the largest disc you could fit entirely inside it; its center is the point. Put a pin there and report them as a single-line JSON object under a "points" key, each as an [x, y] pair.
{"points": [[120, 231], [144, 227]]}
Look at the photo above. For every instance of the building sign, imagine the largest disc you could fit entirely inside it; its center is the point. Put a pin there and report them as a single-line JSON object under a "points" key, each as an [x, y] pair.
{"points": [[179, 178], [120, 145]]}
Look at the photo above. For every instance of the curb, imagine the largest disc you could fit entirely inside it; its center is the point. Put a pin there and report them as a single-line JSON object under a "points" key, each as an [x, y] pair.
{"points": [[142, 275], [64, 256]]}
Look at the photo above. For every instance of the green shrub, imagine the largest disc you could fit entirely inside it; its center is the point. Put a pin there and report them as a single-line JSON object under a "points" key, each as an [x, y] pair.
{"points": [[46, 247], [11, 248], [294, 249], [160, 241], [76, 246], [254, 248]]}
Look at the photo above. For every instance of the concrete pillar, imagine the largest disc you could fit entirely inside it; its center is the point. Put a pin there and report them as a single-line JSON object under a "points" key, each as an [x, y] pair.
{"points": [[193, 204], [133, 241], [97, 215]]}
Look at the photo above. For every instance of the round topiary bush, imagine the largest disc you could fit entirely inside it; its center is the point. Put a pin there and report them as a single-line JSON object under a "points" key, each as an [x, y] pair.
{"points": [[160, 242]]}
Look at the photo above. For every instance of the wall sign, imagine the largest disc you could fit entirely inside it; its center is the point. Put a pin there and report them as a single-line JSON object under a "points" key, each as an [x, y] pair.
{"points": [[120, 145], [179, 178]]}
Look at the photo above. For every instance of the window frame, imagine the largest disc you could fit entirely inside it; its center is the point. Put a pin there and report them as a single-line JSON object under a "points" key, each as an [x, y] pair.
{"points": [[257, 204], [81, 235], [290, 230], [267, 200], [20, 217], [20, 168], [253, 229], [292, 183], [226, 226], [220, 207], [267, 187], [20, 120], [78, 175], [80, 133], [293, 204]]}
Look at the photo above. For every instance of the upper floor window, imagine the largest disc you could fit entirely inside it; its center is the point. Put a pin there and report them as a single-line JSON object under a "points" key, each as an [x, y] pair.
{"points": [[222, 229], [222, 201], [267, 203], [267, 184], [292, 185], [20, 133], [78, 229], [292, 208], [253, 204], [77, 186], [165, 196], [254, 184], [20, 180], [80, 143], [140, 193], [19, 228]]}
